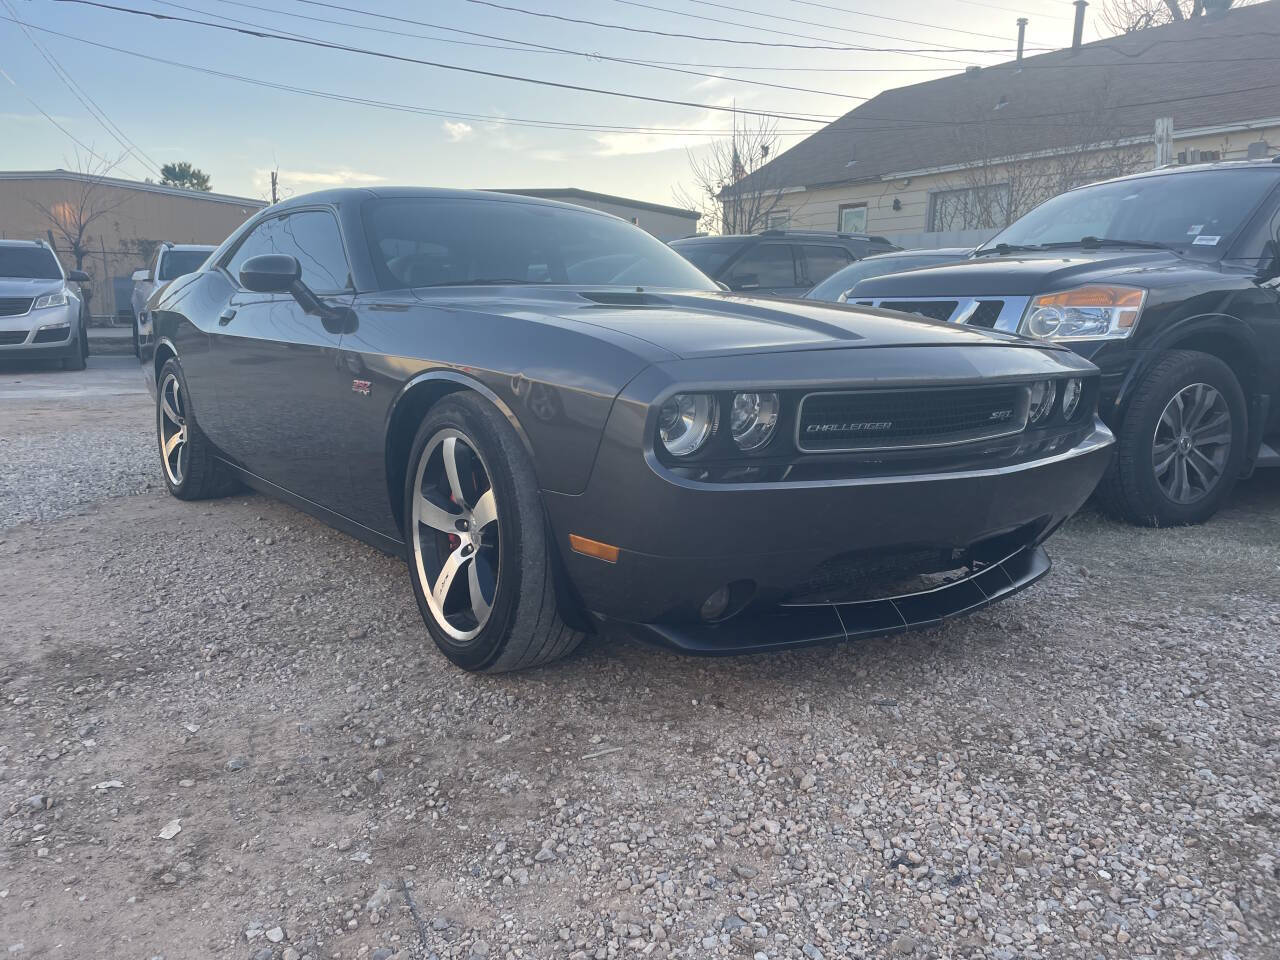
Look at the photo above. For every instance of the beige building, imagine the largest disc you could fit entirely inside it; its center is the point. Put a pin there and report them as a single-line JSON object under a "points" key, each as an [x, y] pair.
{"points": [[109, 227], [953, 160]]}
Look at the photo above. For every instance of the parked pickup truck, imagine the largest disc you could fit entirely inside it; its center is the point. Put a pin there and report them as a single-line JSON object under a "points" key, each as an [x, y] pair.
{"points": [[1169, 281]]}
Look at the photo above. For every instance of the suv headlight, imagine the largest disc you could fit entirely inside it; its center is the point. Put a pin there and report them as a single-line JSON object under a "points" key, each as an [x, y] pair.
{"points": [[686, 422], [58, 299], [1086, 313]]}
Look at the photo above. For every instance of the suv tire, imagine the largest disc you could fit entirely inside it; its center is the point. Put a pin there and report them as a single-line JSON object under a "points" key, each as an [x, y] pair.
{"points": [[1180, 446]]}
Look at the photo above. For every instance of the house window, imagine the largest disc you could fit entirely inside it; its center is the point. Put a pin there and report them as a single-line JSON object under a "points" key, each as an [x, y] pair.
{"points": [[779, 220], [969, 208], [853, 218]]}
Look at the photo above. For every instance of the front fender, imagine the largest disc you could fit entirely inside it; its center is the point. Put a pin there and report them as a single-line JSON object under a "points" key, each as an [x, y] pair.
{"points": [[1236, 331]]}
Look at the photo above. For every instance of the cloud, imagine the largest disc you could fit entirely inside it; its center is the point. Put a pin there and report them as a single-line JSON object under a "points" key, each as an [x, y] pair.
{"points": [[708, 127], [457, 132], [341, 177]]}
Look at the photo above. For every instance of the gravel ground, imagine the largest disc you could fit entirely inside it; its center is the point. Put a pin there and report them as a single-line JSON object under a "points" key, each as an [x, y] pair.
{"points": [[223, 733]]}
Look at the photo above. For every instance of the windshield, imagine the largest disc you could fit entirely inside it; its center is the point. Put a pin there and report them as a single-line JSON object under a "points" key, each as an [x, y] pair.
{"points": [[1190, 212], [30, 263], [456, 242], [707, 255], [178, 263], [846, 279]]}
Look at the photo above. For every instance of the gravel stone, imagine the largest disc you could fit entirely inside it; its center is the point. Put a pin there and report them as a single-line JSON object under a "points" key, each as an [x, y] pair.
{"points": [[1087, 770]]}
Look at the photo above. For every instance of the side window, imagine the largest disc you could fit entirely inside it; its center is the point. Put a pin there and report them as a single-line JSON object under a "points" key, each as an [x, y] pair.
{"points": [[822, 261], [764, 266], [153, 268], [309, 236]]}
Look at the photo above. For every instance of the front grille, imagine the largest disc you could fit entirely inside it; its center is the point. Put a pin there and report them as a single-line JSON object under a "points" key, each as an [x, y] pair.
{"points": [[55, 335], [14, 306], [933, 309], [902, 419], [9, 337], [986, 314]]}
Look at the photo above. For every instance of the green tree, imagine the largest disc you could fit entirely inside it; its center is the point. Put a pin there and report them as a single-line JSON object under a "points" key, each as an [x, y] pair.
{"points": [[184, 175]]}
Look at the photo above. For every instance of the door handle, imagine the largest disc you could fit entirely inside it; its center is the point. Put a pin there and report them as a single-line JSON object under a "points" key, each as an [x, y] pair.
{"points": [[226, 317]]}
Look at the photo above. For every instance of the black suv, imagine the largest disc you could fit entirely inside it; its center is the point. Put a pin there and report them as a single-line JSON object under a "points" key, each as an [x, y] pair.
{"points": [[1170, 282], [782, 263]]}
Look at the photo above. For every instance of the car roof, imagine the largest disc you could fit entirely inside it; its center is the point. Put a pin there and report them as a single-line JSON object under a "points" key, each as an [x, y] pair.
{"points": [[198, 247], [25, 243], [349, 194], [1176, 170]]}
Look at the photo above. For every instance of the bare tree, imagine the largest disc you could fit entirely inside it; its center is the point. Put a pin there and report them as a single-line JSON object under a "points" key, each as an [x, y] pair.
{"points": [[733, 187], [86, 202], [1130, 16], [1003, 179]]}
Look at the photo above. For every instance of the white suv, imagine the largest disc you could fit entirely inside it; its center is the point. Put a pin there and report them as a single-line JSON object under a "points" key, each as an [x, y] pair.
{"points": [[43, 314], [171, 260]]}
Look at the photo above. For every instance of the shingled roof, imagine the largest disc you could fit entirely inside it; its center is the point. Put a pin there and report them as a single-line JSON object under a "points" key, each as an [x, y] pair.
{"points": [[1205, 73]]}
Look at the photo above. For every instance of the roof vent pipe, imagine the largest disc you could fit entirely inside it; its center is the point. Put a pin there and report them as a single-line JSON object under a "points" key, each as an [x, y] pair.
{"points": [[1078, 34], [1022, 35]]}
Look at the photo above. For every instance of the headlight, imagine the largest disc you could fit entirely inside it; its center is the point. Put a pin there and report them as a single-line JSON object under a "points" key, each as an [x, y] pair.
{"points": [[1086, 313], [51, 300], [753, 419], [686, 422], [1043, 393], [1071, 392]]}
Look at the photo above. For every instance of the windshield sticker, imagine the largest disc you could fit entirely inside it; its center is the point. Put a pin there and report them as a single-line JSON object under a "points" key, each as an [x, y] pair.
{"points": [[1205, 241], [1193, 230]]}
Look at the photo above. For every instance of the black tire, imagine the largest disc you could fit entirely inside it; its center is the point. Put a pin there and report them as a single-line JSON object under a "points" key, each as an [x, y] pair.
{"points": [[1131, 489], [522, 626], [78, 360], [200, 475]]}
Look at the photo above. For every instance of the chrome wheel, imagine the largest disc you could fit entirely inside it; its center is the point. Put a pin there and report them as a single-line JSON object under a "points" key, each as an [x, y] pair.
{"points": [[1192, 443], [456, 544], [173, 430]]}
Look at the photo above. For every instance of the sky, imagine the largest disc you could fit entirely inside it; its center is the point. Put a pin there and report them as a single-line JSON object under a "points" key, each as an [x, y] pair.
{"points": [[463, 129]]}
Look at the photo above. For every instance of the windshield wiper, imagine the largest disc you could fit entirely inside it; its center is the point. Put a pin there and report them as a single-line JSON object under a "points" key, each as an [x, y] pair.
{"points": [[1003, 248], [1096, 242]]}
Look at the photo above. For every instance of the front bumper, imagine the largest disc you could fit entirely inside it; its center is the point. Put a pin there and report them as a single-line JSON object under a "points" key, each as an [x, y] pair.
{"points": [[681, 541], [28, 328], [802, 624]]}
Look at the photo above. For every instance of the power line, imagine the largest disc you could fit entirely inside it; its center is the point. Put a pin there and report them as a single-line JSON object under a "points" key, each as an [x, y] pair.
{"points": [[830, 26], [533, 47], [39, 109], [750, 43], [86, 101], [400, 58], [896, 123], [878, 16]]}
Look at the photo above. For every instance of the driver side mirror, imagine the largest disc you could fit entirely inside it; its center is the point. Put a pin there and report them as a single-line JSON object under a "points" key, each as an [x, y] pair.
{"points": [[78, 276], [141, 276], [271, 273], [1269, 265], [281, 273]]}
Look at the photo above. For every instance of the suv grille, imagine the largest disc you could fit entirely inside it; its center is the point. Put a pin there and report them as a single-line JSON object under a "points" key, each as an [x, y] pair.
{"points": [[901, 419], [9, 337], [14, 306], [933, 309], [986, 314]]}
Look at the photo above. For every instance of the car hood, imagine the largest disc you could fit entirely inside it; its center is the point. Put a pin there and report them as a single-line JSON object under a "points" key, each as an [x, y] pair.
{"points": [[1025, 274], [695, 324], [23, 287]]}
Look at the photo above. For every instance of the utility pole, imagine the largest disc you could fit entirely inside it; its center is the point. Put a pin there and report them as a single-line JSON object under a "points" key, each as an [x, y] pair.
{"points": [[1164, 141]]}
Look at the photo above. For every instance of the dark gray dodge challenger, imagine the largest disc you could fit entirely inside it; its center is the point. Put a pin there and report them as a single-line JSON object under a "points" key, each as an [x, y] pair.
{"points": [[558, 421]]}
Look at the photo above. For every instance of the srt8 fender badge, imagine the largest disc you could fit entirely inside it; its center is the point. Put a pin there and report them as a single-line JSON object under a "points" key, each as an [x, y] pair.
{"points": [[362, 387]]}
